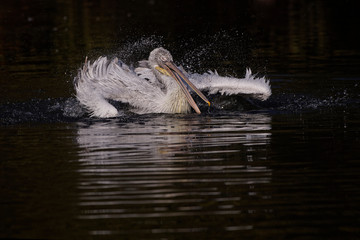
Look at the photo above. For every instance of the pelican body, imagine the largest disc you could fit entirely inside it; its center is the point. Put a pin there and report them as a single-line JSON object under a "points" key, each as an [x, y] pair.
{"points": [[156, 86]]}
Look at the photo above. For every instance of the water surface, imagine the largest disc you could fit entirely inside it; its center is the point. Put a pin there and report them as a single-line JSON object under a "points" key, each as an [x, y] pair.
{"points": [[286, 168]]}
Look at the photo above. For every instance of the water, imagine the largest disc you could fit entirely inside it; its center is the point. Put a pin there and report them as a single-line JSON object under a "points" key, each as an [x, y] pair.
{"points": [[286, 168]]}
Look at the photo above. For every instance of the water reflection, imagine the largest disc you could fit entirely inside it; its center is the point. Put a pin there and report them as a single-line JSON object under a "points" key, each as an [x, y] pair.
{"points": [[147, 175]]}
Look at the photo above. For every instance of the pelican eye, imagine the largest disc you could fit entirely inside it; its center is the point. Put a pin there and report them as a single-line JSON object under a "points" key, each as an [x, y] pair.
{"points": [[163, 58]]}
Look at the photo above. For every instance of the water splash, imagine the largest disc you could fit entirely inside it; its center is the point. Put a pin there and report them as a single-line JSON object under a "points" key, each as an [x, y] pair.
{"points": [[204, 52], [132, 51], [41, 110], [302, 102], [197, 54]]}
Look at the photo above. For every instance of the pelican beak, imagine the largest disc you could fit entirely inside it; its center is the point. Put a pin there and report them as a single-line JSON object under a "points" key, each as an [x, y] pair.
{"points": [[180, 78]]}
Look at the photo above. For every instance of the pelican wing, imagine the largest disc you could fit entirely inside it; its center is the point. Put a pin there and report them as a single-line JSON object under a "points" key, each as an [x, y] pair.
{"points": [[258, 88], [111, 79], [145, 72]]}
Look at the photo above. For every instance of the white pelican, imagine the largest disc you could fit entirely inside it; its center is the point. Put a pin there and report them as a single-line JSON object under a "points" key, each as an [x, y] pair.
{"points": [[156, 86]]}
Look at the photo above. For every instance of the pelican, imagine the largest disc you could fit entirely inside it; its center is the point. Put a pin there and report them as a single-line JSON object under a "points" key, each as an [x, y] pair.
{"points": [[157, 85]]}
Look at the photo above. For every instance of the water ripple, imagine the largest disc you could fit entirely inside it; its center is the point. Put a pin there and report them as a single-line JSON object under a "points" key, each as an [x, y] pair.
{"points": [[167, 167]]}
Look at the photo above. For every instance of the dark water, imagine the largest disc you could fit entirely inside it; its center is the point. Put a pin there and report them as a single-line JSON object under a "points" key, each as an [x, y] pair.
{"points": [[286, 168]]}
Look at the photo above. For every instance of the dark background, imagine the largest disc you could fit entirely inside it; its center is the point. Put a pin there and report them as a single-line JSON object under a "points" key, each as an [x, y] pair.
{"points": [[50, 39]]}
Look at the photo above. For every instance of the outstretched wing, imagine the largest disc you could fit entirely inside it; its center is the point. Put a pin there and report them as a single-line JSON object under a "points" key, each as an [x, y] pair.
{"points": [[252, 86], [111, 79]]}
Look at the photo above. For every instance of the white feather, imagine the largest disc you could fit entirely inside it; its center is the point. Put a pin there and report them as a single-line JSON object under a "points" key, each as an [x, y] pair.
{"points": [[250, 85], [104, 79]]}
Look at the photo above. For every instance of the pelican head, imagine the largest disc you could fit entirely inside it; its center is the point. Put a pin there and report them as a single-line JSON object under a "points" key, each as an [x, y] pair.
{"points": [[161, 61]]}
